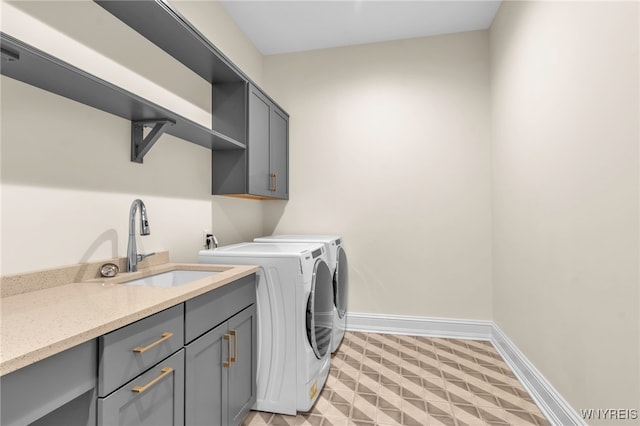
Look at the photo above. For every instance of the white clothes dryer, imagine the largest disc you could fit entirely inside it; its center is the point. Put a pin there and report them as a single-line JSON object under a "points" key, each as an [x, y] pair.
{"points": [[337, 260], [294, 320]]}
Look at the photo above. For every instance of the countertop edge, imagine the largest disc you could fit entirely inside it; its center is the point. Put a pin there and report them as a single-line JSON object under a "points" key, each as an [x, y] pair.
{"points": [[174, 296]]}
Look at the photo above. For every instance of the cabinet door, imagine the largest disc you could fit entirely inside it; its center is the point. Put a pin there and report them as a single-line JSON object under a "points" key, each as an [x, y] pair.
{"points": [[259, 181], [206, 378], [242, 374], [278, 152], [155, 398]]}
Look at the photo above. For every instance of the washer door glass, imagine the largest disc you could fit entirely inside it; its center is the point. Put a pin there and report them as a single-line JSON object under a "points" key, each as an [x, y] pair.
{"points": [[341, 283], [320, 310]]}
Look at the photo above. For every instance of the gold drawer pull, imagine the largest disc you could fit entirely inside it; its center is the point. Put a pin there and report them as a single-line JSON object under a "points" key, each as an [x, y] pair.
{"points": [[165, 372], [165, 336], [227, 363], [234, 358]]}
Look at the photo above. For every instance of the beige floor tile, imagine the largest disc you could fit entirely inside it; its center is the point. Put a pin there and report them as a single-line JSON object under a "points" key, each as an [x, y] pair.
{"points": [[311, 420], [283, 420], [389, 416], [335, 421], [257, 419], [386, 380]]}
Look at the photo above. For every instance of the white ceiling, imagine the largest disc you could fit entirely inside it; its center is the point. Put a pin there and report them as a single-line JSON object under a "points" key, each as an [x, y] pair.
{"points": [[296, 25]]}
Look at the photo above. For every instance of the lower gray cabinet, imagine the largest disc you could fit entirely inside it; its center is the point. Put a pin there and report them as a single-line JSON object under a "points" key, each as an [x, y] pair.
{"points": [[141, 372], [242, 373], [193, 363], [205, 391], [221, 372], [59, 390], [155, 398]]}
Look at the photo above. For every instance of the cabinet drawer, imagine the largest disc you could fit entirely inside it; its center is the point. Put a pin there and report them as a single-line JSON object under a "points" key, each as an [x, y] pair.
{"points": [[155, 398], [39, 389], [210, 309], [130, 350]]}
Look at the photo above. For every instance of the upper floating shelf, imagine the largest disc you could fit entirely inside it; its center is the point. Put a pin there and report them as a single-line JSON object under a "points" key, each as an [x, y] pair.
{"points": [[30, 65], [169, 30]]}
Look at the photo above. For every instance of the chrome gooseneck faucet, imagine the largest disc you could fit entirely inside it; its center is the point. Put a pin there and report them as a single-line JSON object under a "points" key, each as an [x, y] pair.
{"points": [[132, 252]]}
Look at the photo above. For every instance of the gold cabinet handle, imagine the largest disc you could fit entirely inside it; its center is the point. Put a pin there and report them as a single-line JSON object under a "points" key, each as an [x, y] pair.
{"points": [[165, 372], [234, 358], [274, 183], [165, 336], [227, 363]]}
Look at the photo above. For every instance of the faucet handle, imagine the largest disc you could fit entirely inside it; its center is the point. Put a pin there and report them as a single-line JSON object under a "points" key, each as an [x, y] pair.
{"points": [[144, 256]]}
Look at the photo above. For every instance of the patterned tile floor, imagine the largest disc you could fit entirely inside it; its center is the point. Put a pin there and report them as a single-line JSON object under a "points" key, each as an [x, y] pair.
{"points": [[381, 379]]}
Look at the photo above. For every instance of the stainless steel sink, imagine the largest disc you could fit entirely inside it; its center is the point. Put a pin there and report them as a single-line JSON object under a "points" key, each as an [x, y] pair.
{"points": [[172, 278]]}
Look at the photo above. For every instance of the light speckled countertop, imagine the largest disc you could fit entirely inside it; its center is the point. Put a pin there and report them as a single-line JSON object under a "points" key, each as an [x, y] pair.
{"points": [[37, 324]]}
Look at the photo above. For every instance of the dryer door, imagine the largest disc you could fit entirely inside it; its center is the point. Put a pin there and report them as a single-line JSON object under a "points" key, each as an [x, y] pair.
{"points": [[320, 310], [341, 283]]}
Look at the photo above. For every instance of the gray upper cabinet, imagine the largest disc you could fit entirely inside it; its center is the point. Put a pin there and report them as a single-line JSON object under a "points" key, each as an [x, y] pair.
{"points": [[268, 147], [262, 170], [258, 167], [260, 176], [279, 152]]}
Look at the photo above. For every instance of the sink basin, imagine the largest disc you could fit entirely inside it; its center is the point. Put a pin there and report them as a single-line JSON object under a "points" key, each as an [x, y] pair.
{"points": [[172, 278]]}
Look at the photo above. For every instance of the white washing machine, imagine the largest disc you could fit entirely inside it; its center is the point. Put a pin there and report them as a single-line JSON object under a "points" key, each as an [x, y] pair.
{"points": [[295, 320], [337, 260]]}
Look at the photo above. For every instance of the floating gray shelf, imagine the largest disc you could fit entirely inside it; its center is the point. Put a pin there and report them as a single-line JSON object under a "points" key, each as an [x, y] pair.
{"points": [[32, 66], [164, 26], [161, 24]]}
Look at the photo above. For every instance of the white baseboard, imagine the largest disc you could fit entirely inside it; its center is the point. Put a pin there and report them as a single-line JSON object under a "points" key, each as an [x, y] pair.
{"points": [[551, 403], [420, 326]]}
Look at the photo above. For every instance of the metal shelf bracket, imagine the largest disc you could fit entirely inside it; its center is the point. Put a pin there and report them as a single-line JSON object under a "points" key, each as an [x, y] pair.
{"points": [[140, 144]]}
